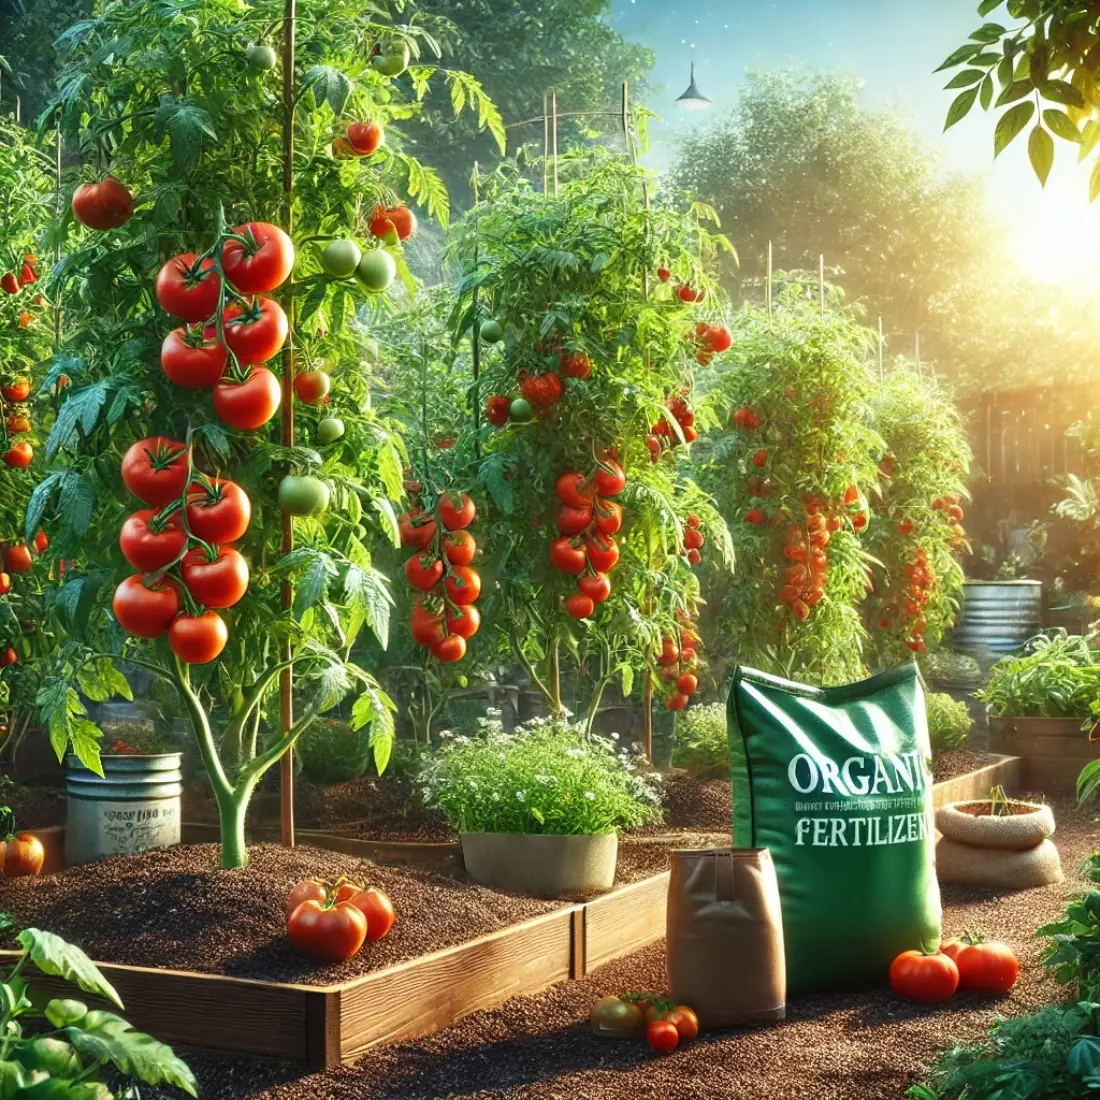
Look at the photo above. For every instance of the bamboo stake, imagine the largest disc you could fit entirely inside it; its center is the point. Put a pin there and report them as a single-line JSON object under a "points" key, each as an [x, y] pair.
{"points": [[881, 373], [475, 333], [768, 282], [554, 135], [286, 688], [545, 142], [821, 284], [57, 247]]}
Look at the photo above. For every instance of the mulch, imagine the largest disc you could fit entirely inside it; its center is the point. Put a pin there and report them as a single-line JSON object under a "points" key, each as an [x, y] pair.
{"points": [[948, 765], [35, 806], [854, 1045]]}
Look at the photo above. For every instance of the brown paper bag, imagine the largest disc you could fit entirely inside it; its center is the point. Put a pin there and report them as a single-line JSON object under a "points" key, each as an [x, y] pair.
{"points": [[725, 936]]}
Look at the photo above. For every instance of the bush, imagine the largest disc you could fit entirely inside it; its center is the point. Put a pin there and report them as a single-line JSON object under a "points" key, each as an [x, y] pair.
{"points": [[1057, 675], [949, 722], [543, 778], [332, 752], [701, 745]]}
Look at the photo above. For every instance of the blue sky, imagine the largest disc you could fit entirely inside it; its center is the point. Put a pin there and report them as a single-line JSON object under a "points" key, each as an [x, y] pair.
{"points": [[893, 45]]}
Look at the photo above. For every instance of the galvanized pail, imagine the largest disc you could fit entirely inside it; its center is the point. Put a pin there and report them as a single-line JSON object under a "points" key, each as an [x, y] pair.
{"points": [[133, 807], [999, 616]]}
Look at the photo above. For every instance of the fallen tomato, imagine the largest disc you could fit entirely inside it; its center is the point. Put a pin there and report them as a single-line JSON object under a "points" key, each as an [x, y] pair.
{"points": [[663, 1036], [615, 1018], [984, 966], [928, 977], [377, 908], [22, 856], [331, 933]]}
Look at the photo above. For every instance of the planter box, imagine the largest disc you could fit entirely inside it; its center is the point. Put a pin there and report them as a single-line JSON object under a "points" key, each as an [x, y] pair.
{"points": [[977, 784], [1052, 750]]}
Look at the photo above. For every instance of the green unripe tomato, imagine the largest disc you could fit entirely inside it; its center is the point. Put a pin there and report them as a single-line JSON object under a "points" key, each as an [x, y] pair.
{"points": [[341, 258], [330, 430], [393, 62], [63, 1012], [520, 410], [491, 331], [377, 269], [260, 57], [303, 496]]}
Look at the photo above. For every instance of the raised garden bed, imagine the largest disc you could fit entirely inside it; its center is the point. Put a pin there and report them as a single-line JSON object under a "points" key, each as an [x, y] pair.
{"points": [[1052, 750]]}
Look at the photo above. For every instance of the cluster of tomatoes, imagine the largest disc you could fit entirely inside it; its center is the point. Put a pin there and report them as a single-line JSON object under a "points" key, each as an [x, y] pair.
{"points": [[13, 395], [693, 540], [587, 521], [678, 663], [952, 510], [223, 345], [805, 577], [664, 1023], [189, 529], [684, 291], [19, 558], [969, 965], [661, 435], [920, 579], [539, 390], [443, 616], [12, 284], [709, 341], [331, 921]]}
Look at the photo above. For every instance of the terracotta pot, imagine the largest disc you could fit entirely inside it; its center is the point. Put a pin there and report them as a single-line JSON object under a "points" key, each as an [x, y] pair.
{"points": [[545, 866]]}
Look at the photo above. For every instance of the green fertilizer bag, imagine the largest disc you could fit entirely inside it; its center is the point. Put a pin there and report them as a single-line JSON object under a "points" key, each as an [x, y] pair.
{"points": [[836, 782]]}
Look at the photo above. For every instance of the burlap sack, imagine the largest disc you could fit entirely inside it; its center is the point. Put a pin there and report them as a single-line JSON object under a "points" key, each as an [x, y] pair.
{"points": [[725, 936], [963, 865], [1012, 831]]}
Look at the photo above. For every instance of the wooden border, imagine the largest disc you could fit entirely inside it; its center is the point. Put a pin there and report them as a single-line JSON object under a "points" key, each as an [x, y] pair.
{"points": [[1004, 772]]}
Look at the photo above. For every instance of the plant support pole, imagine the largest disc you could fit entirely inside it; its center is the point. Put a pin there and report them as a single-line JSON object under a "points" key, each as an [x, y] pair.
{"points": [[286, 682], [768, 282]]}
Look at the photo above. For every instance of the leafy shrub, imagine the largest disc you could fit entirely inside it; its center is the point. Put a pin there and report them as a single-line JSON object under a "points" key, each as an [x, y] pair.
{"points": [[1057, 675], [543, 778], [701, 746], [949, 722], [70, 1059], [333, 752]]}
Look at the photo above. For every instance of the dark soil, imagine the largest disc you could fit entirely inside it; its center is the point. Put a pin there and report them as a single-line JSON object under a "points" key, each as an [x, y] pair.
{"points": [[1004, 809], [35, 805], [692, 803], [859, 1045], [372, 808], [955, 762]]}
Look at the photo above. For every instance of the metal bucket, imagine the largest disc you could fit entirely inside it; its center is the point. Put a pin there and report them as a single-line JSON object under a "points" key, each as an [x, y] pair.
{"points": [[999, 616], [133, 807]]}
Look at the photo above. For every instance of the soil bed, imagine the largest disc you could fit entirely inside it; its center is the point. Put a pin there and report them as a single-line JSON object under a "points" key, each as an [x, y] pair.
{"points": [[35, 805], [371, 808], [861, 1045], [956, 762], [692, 803]]}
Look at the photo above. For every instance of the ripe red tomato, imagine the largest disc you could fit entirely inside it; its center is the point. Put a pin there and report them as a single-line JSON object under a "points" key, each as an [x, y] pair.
{"points": [[602, 552], [662, 1035], [664, 274], [218, 583], [145, 611], [154, 469], [851, 495], [427, 626], [459, 547], [18, 425], [574, 364], [456, 511], [186, 290], [990, 968], [19, 455], [330, 934], [150, 548], [9, 284], [572, 521], [312, 386], [677, 701], [930, 979], [687, 684], [688, 294], [197, 639], [567, 557], [377, 908], [256, 330], [597, 586], [423, 571], [9, 657], [465, 619], [693, 538], [760, 458], [670, 652], [719, 338], [306, 890], [22, 856], [395, 219], [755, 517], [449, 649], [609, 517], [463, 585], [365, 137], [220, 513], [541, 390], [574, 490], [5, 584], [18, 389], [190, 359], [496, 410], [610, 479], [685, 1021], [262, 261], [103, 205], [579, 605], [249, 404], [417, 529], [18, 559]]}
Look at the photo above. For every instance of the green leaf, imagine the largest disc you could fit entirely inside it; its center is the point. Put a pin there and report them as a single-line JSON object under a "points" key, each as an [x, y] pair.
{"points": [[40, 499], [1061, 125], [81, 410], [329, 86], [1012, 92], [85, 736], [988, 32], [985, 93], [1060, 91], [76, 505], [986, 6], [1010, 124], [53, 956], [965, 78], [186, 125], [960, 108], [963, 53], [1040, 151], [367, 590]]}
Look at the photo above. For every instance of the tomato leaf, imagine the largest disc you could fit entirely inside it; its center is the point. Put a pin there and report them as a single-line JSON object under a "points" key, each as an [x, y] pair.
{"points": [[53, 956], [965, 78], [1010, 124]]}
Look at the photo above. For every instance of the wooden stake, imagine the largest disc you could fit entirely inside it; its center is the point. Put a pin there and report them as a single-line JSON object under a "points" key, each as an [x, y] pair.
{"points": [[545, 142], [286, 683], [554, 135], [821, 284], [57, 215], [768, 282], [881, 373]]}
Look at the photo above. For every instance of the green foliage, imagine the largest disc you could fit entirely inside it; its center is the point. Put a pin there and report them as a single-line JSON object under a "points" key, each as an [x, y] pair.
{"points": [[701, 747], [333, 753], [546, 777], [1055, 676], [949, 722], [69, 1060]]}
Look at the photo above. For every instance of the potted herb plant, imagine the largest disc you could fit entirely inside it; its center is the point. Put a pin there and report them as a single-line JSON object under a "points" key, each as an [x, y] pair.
{"points": [[1040, 702], [538, 810]]}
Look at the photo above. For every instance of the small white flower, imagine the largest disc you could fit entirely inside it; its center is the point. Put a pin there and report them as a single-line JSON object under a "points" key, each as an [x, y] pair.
{"points": [[425, 793], [493, 712], [542, 779], [574, 752], [473, 784], [614, 737], [590, 796], [502, 756], [521, 796], [462, 741], [496, 797]]}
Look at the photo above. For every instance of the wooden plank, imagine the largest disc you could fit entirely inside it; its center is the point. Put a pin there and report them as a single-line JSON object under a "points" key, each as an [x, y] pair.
{"points": [[1050, 775], [1005, 772], [323, 1023], [578, 965], [624, 920], [434, 991], [415, 853]]}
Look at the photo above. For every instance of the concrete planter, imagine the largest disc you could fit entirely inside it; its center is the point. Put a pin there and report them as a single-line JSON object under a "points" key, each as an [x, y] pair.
{"points": [[1052, 750], [545, 866]]}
